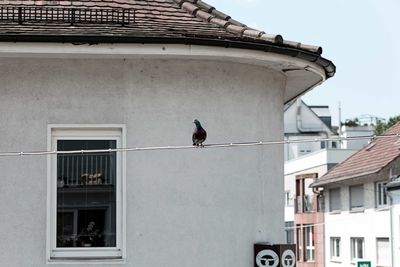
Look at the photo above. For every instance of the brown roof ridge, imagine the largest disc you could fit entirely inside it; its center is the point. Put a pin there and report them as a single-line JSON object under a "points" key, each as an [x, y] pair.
{"points": [[209, 13]]}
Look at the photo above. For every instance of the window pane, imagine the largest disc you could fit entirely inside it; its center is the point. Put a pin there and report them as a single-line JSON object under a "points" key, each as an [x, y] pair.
{"points": [[337, 247], [379, 194], [86, 194], [309, 238], [360, 248], [289, 232], [299, 242], [334, 199], [357, 246], [356, 196]]}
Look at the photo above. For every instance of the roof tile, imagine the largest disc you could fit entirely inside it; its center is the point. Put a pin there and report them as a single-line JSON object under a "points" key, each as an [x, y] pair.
{"points": [[370, 159]]}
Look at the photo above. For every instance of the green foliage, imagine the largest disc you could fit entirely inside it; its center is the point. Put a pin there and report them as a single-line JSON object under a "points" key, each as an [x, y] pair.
{"points": [[381, 127], [351, 123]]}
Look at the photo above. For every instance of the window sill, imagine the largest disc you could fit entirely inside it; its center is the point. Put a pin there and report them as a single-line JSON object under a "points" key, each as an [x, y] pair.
{"points": [[382, 208], [335, 212], [336, 261], [83, 261], [355, 261], [357, 210]]}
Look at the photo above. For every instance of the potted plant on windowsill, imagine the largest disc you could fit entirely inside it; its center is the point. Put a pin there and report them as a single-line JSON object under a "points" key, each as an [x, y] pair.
{"points": [[90, 236]]}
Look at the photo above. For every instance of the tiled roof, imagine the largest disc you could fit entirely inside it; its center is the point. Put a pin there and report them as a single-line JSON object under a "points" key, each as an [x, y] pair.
{"points": [[370, 159], [171, 21]]}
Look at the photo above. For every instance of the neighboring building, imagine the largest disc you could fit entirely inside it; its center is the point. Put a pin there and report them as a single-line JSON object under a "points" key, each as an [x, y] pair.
{"points": [[357, 214], [305, 162], [88, 75], [393, 191], [354, 132], [303, 123]]}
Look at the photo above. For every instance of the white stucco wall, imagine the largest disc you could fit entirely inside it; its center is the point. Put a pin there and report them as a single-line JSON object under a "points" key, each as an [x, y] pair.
{"points": [[370, 224], [200, 207]]}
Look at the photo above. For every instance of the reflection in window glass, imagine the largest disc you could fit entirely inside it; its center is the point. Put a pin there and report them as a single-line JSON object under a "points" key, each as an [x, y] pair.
{"points": [[86, 194]]}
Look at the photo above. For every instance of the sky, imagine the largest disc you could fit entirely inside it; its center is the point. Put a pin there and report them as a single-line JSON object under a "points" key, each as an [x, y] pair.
{"points": [[359, 36]]}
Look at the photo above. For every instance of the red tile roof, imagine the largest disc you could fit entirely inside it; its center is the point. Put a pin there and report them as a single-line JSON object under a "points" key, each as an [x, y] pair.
{"points": [[168, 21], [370, 159]]}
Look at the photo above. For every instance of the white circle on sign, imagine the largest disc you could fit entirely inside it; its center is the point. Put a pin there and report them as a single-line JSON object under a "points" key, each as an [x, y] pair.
{"points": [[267, 258], [288, 258]]}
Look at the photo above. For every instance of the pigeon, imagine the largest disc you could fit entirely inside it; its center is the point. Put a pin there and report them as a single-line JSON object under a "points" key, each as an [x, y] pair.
{"points": [[199, 134]]}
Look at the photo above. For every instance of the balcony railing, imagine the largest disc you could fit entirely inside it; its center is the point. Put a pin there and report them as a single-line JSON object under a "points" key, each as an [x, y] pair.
{"points": [[306, 203], [86, 169]]}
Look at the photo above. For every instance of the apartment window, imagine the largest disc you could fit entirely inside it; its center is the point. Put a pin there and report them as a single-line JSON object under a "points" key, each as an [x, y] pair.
{"points": [[288, 199], [380, 194], [335, 248], [289, 229], [356, 197], [357, 248], [383, 252], [299, 237], [86, 190], [323, 144], [334, 144], [334, 199], [310, 245]]}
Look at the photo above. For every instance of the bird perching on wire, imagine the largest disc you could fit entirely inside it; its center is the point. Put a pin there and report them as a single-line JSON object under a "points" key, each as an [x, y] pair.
{"points": [[199, 134]]}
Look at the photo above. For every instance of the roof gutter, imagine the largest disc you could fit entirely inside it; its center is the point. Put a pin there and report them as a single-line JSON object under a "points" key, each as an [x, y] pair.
{"points": [[322, 183], [281, 49]]}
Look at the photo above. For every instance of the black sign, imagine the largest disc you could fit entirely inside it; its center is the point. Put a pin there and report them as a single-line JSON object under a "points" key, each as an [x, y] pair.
{"points": [[274, 255]]}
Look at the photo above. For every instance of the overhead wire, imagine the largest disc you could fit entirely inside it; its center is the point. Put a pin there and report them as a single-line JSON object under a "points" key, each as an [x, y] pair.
{"points": [[182, 147], [218, 145]]}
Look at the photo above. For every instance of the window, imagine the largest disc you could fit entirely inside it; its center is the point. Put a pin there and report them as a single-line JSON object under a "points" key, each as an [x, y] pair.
{"points": [[380, 194], [299, 237], [334, 199], [323, 144], [356, 197], [310, 246], [288, 199], [357, 248], [289, 229], [335, 248], [85, 191], [383, 257], [334, 144], [304, 149]]}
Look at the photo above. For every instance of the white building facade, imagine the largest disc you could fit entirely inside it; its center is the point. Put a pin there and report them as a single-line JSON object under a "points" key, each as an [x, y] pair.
{"points": [[357, 225], [393, 189], [358, 212]]}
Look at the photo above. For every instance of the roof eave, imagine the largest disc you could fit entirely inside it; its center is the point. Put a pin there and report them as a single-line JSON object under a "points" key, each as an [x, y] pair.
{"points": [[341, 179]]}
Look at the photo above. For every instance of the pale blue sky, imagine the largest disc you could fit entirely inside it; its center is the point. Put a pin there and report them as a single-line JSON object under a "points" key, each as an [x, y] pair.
{"points": [[359, 36]]}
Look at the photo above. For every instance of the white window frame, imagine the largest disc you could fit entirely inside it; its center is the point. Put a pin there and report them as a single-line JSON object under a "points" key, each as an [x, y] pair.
{"points": [[354, 248], [335, 248], [308, 238], [115, 254], [380, 188]]}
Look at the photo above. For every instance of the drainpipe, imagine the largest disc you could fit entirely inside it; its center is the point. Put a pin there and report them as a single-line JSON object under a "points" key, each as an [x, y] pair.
{"points": [[391, 227]]}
